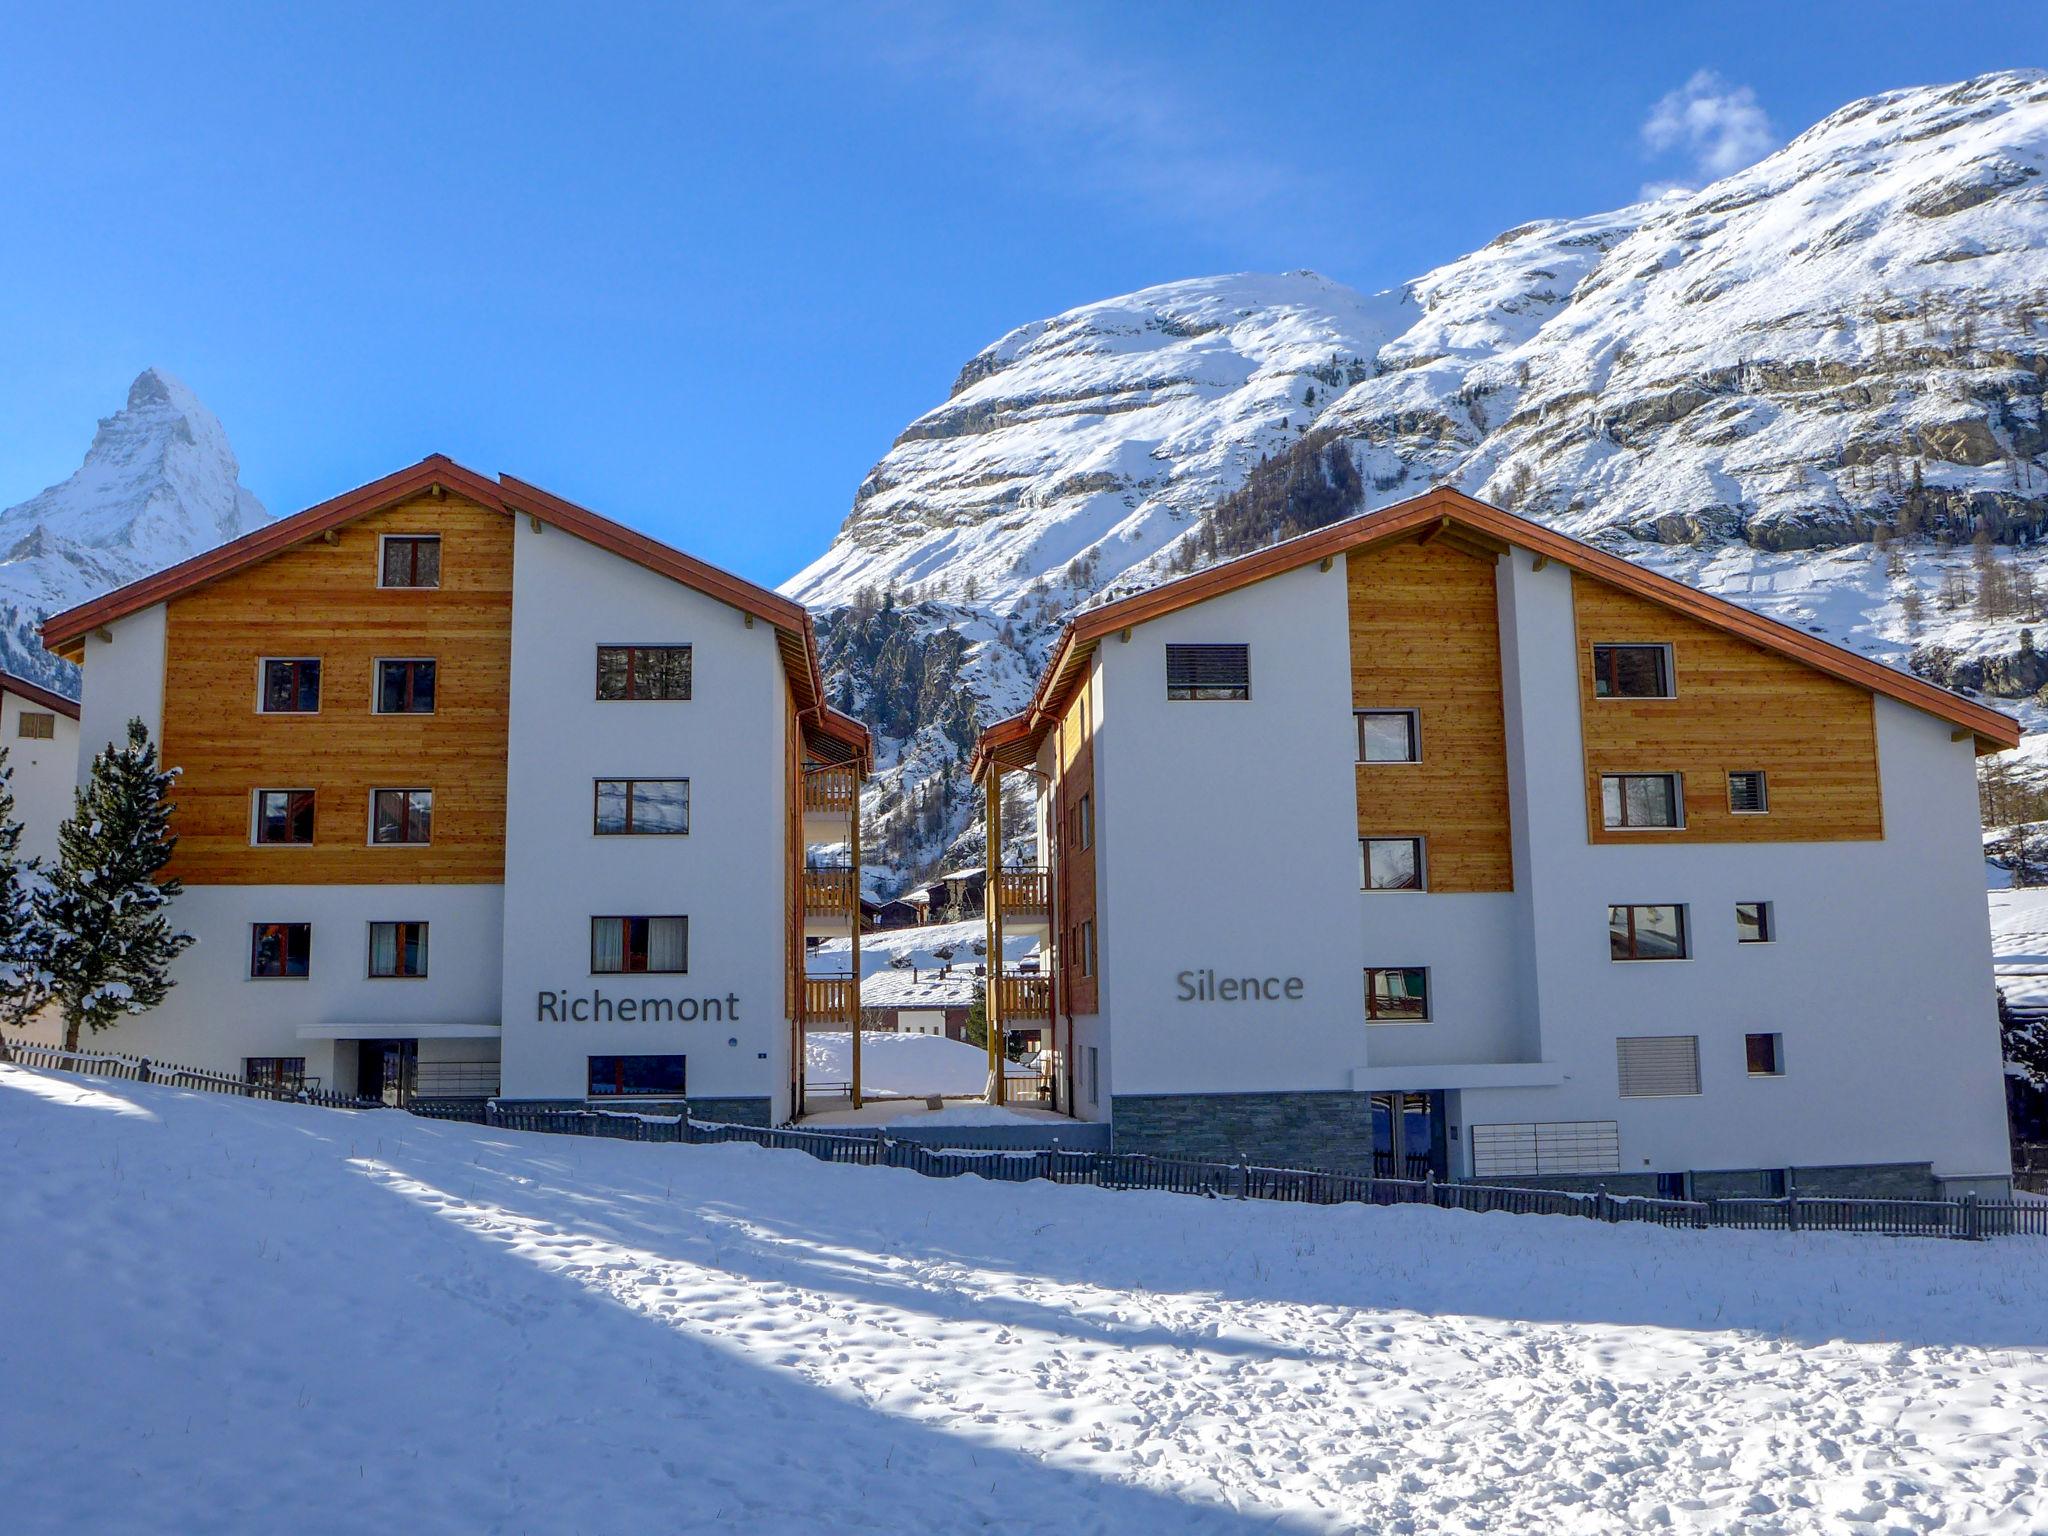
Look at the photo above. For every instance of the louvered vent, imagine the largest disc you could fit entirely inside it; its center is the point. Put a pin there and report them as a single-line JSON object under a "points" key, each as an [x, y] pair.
{"points": [[1658, 1066], [1747, 794], [1208, 672]]}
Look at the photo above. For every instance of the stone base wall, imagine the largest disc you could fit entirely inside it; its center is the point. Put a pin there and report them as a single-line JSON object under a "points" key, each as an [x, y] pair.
{"points": [[1295, 1130], [734, 1111]]}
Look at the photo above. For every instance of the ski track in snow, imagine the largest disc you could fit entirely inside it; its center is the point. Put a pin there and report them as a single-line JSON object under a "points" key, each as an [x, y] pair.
{"points": [[245, 1317]]}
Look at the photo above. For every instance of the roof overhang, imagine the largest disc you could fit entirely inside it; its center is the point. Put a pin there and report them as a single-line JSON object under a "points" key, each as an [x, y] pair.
{"points": [[36, 693], [1483, 532]]}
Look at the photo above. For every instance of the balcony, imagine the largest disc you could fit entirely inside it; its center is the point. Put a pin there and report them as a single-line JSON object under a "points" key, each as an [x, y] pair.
{"points": [[1023, 892], [1023, 999], [829, 889], [832, 791], [828, 1000]]}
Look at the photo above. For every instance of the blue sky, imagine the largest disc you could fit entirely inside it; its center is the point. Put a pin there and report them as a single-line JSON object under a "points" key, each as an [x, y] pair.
{"points": [[698, 268]]}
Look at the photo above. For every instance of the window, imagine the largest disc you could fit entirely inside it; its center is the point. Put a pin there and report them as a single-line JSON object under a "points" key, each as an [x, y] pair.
{"points": [[405, 687], [284, 816], [1753, 923], [1389, 736], [643, 807], [275, 1071], [401, 816], [291, 685], [636, 1077], [1646, 933], [38, 725], [1642, 800], [398, 950], [1658, 1066], [1084, 822], [1397, 996], [643, 671], [1094, 1075], [1208, 672], [1748, 795], [1392, 863], [1087, 947], [637, 944], [1765, 1054], [410, 560], [1632, 672], [280, 950]]}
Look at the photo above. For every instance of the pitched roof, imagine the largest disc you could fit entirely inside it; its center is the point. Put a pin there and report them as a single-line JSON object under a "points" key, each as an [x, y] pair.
{"points": [[1015, 741], [831, 734], [36, 693]]}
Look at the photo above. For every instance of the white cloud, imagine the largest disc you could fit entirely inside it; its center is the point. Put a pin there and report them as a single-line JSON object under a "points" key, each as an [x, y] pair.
{"points": [[1721, 127]]}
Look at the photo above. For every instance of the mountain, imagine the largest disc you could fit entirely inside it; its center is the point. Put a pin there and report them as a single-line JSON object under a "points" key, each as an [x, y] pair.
{"points": [[159, 484], [1814, 386]]}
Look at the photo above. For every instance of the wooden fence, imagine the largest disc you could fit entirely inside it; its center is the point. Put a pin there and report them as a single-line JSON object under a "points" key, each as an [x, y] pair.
{"points": [[1023, 998], [141, 1069]]}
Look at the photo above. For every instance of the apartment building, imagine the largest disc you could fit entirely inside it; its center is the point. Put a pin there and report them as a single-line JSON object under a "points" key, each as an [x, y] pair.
{"points": [[482, 793], [1437, 842], [40, 731]]}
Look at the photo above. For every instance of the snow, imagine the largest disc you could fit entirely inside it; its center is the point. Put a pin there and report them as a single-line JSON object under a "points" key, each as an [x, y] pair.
{"points": [[231, 1316], [900, 1065], [2019, 945]]}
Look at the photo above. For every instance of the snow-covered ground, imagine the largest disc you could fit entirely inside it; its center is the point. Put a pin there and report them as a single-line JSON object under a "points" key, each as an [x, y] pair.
{"points": [[226, 1316], [900, 1065]]}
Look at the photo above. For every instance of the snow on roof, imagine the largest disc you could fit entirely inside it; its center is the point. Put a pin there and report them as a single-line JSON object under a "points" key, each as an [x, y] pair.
{"points": [[888, 988]]}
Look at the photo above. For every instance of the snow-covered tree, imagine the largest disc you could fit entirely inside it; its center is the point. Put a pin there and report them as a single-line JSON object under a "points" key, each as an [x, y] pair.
{"points": [[111, 942], [24, 947]]}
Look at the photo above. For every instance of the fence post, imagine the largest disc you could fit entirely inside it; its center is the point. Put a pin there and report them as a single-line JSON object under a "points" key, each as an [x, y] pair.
{"points": [[1244, 1177], [1973, 1217], [142, 1068], [1791, 1206]]}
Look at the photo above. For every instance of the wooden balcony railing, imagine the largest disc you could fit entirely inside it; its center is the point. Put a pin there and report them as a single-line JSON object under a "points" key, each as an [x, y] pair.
{"points": [[828, 997], [829, 889], [1023, 891], [1020, 999], [831, 791]]}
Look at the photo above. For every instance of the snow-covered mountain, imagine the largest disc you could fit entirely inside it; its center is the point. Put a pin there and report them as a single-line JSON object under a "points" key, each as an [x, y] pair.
{"points": [[1741, 386], [159, 484]]}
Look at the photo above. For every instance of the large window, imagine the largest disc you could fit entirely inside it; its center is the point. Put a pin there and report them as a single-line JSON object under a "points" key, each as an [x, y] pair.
{"points": [[405, 687], [280, 951], [284, 816], [1646, 933], [636, 944], [286, 1072], [643, 671], [37, 725], [637, 1077], [398, 950], [1389, 736], [643, 807], [1632, 672], [1642, 800], [1397, 995], [401, 816], [1208, 672], [410, 560], [291, 685], [1391, 863], [1658, 1066]]}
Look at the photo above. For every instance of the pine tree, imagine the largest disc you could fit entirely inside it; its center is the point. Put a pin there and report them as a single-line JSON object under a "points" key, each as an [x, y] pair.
{"points": [[24, 949], [111, 942]]}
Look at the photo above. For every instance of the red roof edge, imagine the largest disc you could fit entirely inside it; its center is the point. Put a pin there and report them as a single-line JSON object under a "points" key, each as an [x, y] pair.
{"points": [[36, 693]]}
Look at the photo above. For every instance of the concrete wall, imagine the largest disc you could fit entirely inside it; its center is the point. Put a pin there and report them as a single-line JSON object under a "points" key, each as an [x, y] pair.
{"points": [[726, 875]]}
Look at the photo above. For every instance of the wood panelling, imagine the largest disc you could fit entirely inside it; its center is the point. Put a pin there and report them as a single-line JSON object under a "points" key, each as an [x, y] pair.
{"points": [[1076, 874], [1425, 635], [321, 599], [1737, 706]]}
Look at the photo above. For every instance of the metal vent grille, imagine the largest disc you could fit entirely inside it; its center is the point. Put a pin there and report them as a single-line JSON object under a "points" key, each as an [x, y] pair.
{"points": [[1747, 793], [1658, 1066], [1208, 672], [1554, 1146]]}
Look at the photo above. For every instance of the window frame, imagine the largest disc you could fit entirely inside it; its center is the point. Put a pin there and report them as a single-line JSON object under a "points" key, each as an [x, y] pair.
{"points": [[1358, 717], [377, 683], [1777, 1040], [384, 542], [1699, 1083], [256, 932], [681, 1091], [1428, 1013], [597, 828], [1084, 822], [1677, 780], [402, 789], [626, 947], [1196, 693], [1421, 861], [279, 1081], [1668, 662], [630, 696], [1684, 931], [40, 718], [1084, 942], [263, 666], [1767, 923], [370, 970], [256, 817], [1763, 792]]}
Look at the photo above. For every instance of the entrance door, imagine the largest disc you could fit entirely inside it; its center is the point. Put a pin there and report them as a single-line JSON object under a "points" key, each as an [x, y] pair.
{"points": [[1408, 1140], [387, 1070]]}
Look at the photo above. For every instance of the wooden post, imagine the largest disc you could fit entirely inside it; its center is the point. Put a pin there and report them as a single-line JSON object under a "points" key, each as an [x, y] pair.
{"points": [[992, 917], [853, 987]]}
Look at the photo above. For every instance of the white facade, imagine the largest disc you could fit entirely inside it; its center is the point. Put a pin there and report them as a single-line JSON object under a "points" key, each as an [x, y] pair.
{"points": [[1225, 840], [44, 768]]}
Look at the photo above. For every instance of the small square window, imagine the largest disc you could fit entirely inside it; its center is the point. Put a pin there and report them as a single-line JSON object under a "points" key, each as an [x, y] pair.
{"points": [[1753, 923], [1642, 801], [291, 685], [1632, 672], [1646, 933], [37, 725], [1389, 736], [1208, 672], [400, 816], [405, 687], [1392, 863], [280, 951], [398, 950], [1765, 1054], [1748, 794], [410, 560], [284, 816], [1397, 995]]}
